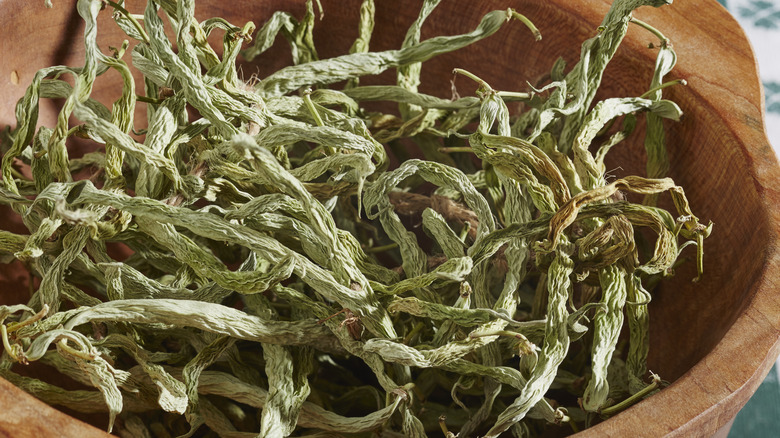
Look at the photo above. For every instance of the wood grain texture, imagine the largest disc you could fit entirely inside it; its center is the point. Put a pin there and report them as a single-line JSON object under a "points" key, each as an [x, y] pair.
{"points": [[24, 416], [714, 340]]}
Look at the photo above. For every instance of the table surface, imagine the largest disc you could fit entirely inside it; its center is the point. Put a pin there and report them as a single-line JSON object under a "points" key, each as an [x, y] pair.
{"points": [[761, 21]]}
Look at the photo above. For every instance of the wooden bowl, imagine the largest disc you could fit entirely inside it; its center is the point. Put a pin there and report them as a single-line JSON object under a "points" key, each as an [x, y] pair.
{"points": [[715, 340]]}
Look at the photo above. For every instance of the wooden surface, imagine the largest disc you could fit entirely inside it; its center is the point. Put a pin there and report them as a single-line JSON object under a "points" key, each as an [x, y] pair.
{"points": [[24, 416], [715, 340]]}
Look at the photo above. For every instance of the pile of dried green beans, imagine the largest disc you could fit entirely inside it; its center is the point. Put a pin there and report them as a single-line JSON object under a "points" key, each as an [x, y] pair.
{"points": [[285, 280]]}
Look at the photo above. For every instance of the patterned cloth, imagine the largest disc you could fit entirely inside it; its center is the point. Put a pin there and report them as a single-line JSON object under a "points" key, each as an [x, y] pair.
{"points": [[761, 21]]}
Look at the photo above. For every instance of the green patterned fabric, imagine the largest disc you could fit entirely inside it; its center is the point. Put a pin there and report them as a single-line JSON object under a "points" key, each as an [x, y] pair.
{"points": [[772, 90], [759, 13]]}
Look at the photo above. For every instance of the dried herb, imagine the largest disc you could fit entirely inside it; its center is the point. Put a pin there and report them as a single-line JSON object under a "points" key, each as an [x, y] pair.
{"points": [[284, 279]]}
